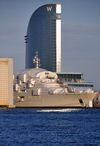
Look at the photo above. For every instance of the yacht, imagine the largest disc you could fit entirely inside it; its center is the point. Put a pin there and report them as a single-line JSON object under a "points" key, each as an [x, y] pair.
{"points": [[37, 87]]}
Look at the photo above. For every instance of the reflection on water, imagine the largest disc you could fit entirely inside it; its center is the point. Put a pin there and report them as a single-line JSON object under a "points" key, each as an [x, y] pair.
{"points": [[58, 110]]}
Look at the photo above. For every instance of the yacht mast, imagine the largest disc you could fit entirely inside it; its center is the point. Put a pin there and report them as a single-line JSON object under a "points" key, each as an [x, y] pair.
{"points": [[36, 60]]}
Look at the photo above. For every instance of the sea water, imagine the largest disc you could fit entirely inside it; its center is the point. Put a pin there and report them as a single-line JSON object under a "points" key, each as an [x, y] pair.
{"points": [[49, 127]]}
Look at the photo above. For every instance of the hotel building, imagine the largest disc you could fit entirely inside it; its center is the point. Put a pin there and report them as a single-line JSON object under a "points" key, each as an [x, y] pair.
{"points": [[44, 36]]}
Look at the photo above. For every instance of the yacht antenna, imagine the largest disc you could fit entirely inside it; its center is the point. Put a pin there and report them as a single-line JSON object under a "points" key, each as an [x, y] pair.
{"points": [[36, 60]]}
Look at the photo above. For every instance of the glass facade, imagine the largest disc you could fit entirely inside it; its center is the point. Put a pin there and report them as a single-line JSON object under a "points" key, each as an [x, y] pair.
{"points": [[70, 76], [44, 36]]}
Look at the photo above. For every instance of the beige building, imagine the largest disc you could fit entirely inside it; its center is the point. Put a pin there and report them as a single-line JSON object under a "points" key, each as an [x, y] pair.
{"points": [[6, 82]]}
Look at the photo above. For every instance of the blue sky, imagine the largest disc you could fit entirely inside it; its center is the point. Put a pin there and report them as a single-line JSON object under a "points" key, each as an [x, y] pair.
{"points": [[80, 34]]}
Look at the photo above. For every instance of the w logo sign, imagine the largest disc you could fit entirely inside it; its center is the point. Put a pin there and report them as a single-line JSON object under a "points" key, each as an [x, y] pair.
{"points": [[49, 8]]}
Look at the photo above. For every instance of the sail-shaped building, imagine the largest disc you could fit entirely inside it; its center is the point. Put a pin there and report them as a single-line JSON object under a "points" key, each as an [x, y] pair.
{"points": [[44, 36]]}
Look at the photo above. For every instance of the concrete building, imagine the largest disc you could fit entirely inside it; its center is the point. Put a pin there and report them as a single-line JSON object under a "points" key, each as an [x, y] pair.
{"points": [[6, 82], [44, 36]]}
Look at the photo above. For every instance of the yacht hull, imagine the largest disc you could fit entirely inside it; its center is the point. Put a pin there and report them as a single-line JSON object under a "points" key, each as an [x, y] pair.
{"points": [[54, 100]]}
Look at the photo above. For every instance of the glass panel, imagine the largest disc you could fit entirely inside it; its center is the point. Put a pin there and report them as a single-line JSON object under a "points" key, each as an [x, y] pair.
{"points": [[56, 16]]}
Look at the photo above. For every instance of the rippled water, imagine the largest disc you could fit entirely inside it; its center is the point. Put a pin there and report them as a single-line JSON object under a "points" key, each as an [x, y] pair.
{"points": [[49, 127]]}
